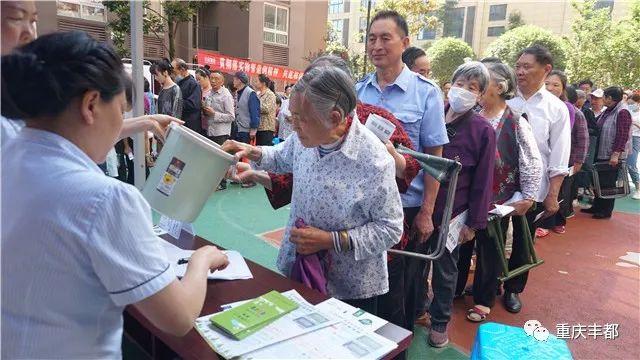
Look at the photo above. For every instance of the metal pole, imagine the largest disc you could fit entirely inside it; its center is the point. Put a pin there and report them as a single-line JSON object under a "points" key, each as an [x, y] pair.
{"points": [[364, 62], [138, 90]]}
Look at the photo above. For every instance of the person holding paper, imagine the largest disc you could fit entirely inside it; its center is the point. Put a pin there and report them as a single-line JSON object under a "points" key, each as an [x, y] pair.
{"points": [[345, 189], [517, 170], [472, 142], [79, 256]]}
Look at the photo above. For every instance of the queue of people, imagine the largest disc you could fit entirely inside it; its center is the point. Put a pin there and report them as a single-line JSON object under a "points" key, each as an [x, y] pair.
{"points": [[519, 135]]}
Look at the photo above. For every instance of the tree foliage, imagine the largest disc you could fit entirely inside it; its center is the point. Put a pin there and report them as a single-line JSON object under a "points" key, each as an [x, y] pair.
{"points": [[335, 47], [418, 13], [508, 45], [515, 20], [446, 55], [603, 50], [174, 13]]}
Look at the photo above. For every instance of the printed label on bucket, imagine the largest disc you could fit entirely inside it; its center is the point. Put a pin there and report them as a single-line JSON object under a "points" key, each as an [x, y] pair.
{"points": [[171, 176]]}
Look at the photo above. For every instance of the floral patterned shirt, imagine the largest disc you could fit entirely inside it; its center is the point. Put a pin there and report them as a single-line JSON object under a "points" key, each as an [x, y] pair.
{"points": [[351, 189]]}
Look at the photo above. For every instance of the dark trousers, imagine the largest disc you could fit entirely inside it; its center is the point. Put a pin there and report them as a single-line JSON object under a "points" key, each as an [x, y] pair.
{"points": [[264, 138], [391, 304], [369, 305], [443, 283], [242, 137], [566, 206], [518, 256], [414, 281], [607, 180], [488, 266], [220, 140]]}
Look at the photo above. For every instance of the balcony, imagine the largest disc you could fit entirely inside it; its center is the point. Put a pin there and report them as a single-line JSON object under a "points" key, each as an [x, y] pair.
{"points": [[207, 38]]}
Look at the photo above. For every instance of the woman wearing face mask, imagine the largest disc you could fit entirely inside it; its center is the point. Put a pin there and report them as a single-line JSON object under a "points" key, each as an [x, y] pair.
{"points": [[518, 168], [472, 142], [88, 238], [633, 103]]}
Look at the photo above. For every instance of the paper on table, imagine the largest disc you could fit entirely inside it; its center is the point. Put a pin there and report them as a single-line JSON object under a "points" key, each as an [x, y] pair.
{"points": [[174, 227], [455, 227], [306, 318], [344, 340], [360, 317], [236, 270]]}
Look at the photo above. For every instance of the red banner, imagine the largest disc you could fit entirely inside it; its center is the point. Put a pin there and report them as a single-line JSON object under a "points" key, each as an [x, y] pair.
{"points": [[231, 64]]}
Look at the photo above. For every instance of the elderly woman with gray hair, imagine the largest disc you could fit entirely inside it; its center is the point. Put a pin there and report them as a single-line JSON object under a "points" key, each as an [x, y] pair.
{"points": [[518, 169], [472, 142], [344, 191]]}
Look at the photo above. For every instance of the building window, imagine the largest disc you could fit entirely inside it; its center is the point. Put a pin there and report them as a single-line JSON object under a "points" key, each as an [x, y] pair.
{"points": [[86, 9], [362, 29], [341, 31], [498, 12], [455, 24], [604, 4], [336, 6], [365, 3], [426, 34], [495, 30], [276, 24]]}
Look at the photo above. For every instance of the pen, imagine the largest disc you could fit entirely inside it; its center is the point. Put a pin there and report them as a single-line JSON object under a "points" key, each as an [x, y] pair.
{"points": [[183, 261]]}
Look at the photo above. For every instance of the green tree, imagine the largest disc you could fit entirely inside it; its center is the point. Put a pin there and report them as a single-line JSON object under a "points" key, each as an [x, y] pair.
{"points": [[335, 47], [175, 12], [515, 20], [603, 50], [418, 13], [508, 45], [446, 55]]}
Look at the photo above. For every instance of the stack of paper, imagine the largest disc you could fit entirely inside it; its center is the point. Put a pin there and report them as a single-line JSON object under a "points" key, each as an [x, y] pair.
{"points": [[236, 270], [330, 330]]}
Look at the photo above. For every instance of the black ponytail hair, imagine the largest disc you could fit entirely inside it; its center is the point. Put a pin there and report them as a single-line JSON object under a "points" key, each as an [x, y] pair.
{"points": [[43, 77]]}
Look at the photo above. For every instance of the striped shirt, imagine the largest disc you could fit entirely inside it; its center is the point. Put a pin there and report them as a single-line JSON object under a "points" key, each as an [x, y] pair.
{"points": [[77, 247]]}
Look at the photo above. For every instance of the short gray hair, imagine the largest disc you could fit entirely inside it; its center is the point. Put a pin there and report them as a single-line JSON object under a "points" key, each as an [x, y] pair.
{"points": [[327, 88], [505, 77], [581, 94], [472, 70], [330, 60]]}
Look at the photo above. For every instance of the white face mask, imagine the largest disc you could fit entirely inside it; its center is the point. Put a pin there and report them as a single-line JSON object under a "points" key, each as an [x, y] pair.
{"points": [[461, 100]]}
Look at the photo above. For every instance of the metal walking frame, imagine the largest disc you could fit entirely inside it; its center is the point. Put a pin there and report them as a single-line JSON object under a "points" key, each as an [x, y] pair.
{"points": [[494, 228], [442, 170]]}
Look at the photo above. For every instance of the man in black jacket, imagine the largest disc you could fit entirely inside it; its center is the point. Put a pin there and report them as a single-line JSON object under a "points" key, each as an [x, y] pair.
{"points": [[191, 96]]}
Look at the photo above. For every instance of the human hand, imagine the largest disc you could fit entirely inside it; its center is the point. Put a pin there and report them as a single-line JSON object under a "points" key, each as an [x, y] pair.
{"points": [[211, 257], [242, 150], [241, 172], [422, 226], [577, 167], [310, 240], [613, 161], [521, 207], [551, 205], [466, 234], [160, 123]]}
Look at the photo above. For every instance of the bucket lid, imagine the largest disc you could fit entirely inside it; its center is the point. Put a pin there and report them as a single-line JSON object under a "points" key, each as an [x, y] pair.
{"points": [[201, 141]]}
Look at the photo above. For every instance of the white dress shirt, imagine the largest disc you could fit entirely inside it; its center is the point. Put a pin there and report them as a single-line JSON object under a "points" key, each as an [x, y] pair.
{"points": [[353, 189], [9, 129], [77, 247], [549, 119]]}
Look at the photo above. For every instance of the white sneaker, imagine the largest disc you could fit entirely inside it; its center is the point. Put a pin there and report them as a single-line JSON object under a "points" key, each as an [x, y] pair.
{"points": [[636, 195]]}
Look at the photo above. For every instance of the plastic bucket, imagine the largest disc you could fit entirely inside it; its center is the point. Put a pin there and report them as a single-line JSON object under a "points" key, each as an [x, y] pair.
{"points": [[187, 171]]}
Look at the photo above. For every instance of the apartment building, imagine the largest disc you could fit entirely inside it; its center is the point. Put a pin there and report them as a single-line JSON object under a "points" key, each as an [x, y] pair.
{"points": [[478, 22]]}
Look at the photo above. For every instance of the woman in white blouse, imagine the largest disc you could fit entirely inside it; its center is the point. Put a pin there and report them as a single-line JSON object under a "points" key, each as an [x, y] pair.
{"points": [[80, 244], [344, 188]]}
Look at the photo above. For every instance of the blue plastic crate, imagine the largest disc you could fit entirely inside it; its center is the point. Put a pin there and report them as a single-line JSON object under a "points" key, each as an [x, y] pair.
{"points": [[503, 342]]}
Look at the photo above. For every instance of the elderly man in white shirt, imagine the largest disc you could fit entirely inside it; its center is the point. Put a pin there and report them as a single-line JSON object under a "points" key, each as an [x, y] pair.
{"points": [[344, 188], [549, 119]]}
